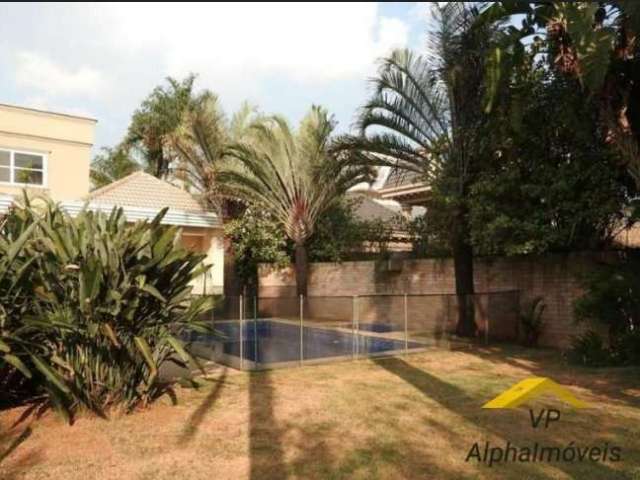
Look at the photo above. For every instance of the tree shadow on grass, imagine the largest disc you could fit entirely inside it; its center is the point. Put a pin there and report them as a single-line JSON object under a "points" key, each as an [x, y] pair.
{"points": [[197, 417], [266, 454], [457, 401], [549, 363], [14, 444], [11, 468]]}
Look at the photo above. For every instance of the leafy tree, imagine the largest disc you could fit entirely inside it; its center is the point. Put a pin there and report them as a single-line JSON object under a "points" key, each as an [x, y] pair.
{"points": [[555, 184], [153, 123], [339, 235], [255, 238], [611, 298], [292, 176], [426, 116], [110, 165], [429, 232], [594, 42]]}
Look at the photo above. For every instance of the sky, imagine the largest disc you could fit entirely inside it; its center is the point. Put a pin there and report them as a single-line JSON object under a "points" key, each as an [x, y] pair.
{"points": [[102, 60]]}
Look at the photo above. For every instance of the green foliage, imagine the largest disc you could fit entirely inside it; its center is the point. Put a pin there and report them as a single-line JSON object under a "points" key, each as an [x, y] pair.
{"points": [[92, 307], [155, 121], [554, 184], [110, 165], [256, 238], [292, 175], [589, 350], [426, 115], [612, 299], [340, 236], [593, 42], [612, 296], [532, 322], [432, 232], [201, 141]]}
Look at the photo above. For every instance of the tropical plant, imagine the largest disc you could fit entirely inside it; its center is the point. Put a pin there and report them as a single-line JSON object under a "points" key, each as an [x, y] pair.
{"points": [[340, 235], [532, 322], [201, 141], [255, 238], [104, 304], [555, 184], [292, 176], [595, 42], [20, 343], [110, 165], [155, 121], [589, 350], [426, 116], [612, 297]]}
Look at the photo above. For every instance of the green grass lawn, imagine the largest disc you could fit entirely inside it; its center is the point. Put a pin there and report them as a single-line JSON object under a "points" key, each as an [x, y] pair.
{"points": [[414, 417]]}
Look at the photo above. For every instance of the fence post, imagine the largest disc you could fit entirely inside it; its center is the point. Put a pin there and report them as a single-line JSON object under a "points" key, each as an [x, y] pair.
{"points": [[255, 330], [486, 321], [354, 338], [301, 329], [406, 324], [240, 312], [356, 325]]}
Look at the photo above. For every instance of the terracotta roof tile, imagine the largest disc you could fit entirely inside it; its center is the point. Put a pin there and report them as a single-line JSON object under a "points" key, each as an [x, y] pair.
{"points": [[142, 190]]}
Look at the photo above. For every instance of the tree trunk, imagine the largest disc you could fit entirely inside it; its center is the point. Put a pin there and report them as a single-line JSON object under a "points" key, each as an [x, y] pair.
{"points": [[463, 268], [302, 269]]}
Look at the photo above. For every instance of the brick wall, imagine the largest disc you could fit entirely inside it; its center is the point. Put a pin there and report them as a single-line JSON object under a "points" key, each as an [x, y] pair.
{"points": [[556, 278]]}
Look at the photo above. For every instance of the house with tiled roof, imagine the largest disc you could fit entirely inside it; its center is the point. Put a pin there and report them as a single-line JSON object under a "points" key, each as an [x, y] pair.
{"points": [[405, 187], [49, 154]]}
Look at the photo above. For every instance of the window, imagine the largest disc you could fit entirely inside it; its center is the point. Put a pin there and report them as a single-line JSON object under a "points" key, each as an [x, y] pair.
{"points": [[22, 168]]}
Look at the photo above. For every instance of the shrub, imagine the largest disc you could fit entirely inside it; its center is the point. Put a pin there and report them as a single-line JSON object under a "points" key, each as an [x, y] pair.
{"points": [[102, 304], [589, 350], [627, 349], [612, 298], [532, 322]]}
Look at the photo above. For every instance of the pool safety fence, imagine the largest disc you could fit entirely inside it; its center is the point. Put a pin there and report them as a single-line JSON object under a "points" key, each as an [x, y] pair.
{"points": [[270, 332]]}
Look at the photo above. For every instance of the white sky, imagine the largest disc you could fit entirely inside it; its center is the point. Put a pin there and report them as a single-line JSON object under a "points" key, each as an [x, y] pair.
{"points": [[102, 60]]}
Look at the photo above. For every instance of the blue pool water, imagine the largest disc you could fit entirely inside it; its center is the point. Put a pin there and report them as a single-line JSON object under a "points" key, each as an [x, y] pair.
{"points": [[269, 341], [380, 327]]}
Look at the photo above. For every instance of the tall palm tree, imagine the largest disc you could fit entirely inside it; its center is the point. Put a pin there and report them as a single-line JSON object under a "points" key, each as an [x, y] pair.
{"points": [[425, 115], [155, 121], [201, 141], [291, 175]]}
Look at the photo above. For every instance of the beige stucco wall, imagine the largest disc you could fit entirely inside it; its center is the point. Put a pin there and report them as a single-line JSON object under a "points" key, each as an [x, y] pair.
{"points": [[65, 140], [213, 243]]}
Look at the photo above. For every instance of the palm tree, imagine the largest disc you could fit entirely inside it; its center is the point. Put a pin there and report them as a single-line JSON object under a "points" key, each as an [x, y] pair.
{"points": [[425, 115], [155, 121], [201, 141], [110, 165], [291, 175]]}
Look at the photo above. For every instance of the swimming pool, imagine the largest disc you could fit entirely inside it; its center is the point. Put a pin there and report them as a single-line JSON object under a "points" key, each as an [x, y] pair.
{"points": [[271, 343]]}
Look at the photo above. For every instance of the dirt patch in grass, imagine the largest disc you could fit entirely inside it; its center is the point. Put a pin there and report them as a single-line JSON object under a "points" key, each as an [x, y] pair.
{"points": [[411, 417]]}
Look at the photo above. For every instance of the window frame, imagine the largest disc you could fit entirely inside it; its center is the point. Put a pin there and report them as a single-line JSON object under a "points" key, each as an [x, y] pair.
{"points": [[12, 168]]}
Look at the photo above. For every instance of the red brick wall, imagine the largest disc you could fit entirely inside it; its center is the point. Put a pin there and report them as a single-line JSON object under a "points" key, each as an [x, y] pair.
{"points": [[556, 278]]}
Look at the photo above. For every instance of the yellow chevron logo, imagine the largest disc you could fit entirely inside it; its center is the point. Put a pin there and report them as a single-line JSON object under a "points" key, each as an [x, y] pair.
{"points": [[530, 389]]}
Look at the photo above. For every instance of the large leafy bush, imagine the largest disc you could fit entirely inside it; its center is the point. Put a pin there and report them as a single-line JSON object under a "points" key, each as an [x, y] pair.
{"points": [[612, 299], [91, 307]]}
